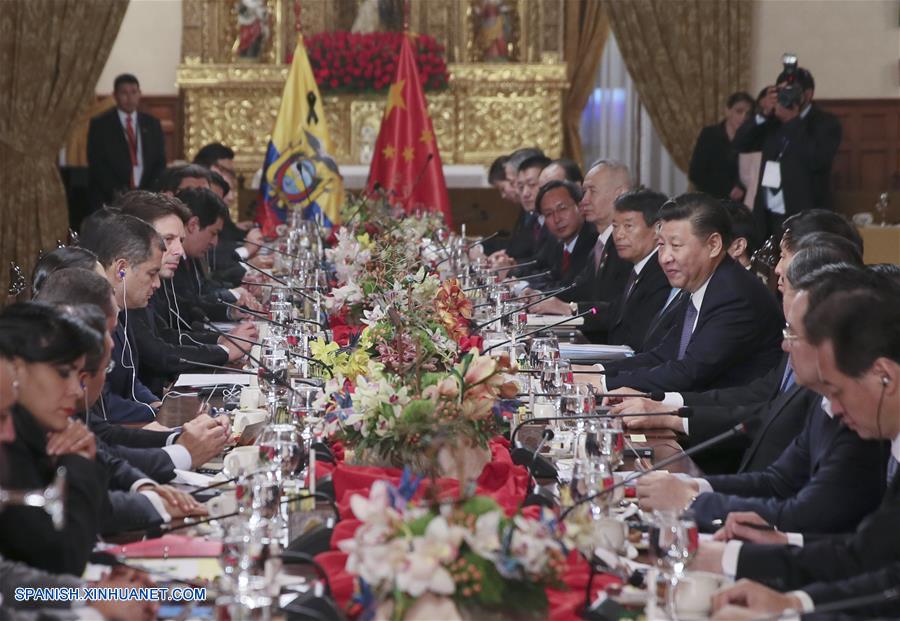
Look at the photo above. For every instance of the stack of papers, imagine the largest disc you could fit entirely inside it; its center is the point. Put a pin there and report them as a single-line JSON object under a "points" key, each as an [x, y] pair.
{"points": [[546, 320], [202, 380], [590, 351]]}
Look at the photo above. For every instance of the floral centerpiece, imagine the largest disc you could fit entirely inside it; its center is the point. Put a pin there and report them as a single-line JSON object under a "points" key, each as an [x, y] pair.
{"points": [[350, 62], [466, 553], [428, 420]]}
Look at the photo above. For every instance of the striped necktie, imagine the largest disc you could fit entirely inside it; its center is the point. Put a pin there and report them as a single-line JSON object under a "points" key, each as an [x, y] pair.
{"points": [[687, 330]]}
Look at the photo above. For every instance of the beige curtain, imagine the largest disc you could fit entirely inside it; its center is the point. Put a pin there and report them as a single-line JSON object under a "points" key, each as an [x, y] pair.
{"points": [[51, 54], [586, 31], [685, 57]]}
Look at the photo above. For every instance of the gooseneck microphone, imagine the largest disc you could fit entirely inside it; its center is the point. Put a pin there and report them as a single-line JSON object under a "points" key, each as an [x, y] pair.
{"points": [[590, 311], [685, 412], [546, 296], [280, 281], [747, 426]]}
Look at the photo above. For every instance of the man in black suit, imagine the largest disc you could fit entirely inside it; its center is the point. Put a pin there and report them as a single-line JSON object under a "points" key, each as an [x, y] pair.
{"points": [[605, 273], [125, 147], [160, 349], [858, 353], [647, 288], [730, 330], [558, 201], [825, 481], [781, 405], [522, 242], [798, 143]]}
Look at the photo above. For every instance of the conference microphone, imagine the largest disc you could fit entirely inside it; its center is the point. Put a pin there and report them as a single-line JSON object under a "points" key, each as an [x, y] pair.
{"points": [[745, 427], [280, 281], [685, 412], [271, 249], [590, 311], [535, 497], [529, 277], [609, 373], [546, 296], [510, 267]]}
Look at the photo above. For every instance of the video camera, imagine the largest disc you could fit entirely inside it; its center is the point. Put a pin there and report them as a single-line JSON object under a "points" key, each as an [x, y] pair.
{"points": [[791, 94]]}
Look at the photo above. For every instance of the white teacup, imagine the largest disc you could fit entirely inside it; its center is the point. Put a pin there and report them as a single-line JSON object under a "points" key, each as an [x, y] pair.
{"points": [[243, 418], [693, 595], [246, 457], [610, 534], [250, 398], [223, 504]]}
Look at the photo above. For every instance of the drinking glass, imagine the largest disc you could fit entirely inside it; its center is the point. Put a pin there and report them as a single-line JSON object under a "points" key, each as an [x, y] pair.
{"points": [[555, 374], [673, 540], [543, 348], [607, 439], [280, 448]]}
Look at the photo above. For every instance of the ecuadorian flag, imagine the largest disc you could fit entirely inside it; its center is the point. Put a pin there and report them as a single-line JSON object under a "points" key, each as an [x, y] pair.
{"points": [[299, 172]]}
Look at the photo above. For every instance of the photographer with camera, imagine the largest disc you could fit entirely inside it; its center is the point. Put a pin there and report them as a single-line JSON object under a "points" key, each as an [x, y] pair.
{"points": [[798, 143]]}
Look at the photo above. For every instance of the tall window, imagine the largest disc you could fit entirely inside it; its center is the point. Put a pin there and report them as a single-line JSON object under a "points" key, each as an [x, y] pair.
{"points": [[615, 125]]}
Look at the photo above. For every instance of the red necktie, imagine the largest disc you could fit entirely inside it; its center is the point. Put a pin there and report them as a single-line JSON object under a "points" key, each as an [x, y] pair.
{"points": [[132, 146], [566, 261]]}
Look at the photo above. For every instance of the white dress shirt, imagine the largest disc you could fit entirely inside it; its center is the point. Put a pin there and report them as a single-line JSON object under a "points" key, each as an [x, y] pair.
{"points": [[775, 202]]}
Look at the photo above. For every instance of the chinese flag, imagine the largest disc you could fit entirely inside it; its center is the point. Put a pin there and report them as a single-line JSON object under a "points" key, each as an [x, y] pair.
{"points": [[406, 163]]}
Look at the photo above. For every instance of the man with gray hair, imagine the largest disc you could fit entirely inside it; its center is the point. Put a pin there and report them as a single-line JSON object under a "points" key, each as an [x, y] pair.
{"points": [[606, 273]]}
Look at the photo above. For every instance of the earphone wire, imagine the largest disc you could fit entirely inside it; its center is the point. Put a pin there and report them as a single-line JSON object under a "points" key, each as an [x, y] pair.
{"points": [[127, 344]]}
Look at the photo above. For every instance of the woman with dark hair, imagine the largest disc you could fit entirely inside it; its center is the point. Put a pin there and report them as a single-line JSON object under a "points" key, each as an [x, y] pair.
{"points": [[46, 354], [714, 163]]}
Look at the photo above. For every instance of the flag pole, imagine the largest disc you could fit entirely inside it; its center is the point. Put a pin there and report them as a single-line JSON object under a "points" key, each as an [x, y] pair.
{"points": [[406, 9], [297, 8]]}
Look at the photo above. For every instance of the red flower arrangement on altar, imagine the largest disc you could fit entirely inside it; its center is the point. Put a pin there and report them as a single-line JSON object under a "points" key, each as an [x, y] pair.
{"points": [[353, 62]]}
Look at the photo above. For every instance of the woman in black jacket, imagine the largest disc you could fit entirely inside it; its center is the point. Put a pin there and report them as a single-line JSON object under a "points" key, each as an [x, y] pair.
{"points": [[714, 163], [45, 352]]}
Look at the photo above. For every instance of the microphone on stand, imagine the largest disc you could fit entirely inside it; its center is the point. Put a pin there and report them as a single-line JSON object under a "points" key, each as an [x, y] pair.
{"points": [[655, 396], [747, 426], [280, 281], [270, 249], [535, 497], [685, 412], [590, 311], [510, 267], [546, 296]]}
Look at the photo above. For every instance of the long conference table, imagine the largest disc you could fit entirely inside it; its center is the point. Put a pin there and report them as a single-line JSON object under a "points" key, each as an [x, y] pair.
{"points": [[177, 410]]}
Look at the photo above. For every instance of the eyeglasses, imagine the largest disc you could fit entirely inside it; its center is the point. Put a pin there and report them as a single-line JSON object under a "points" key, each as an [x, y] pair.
{"points": [[788, 333], [558, 210]]}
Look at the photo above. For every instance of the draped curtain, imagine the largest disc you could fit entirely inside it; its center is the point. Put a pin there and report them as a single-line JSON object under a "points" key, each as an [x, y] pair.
{"points": [[586, 31], [685, 58], [51, 55]]}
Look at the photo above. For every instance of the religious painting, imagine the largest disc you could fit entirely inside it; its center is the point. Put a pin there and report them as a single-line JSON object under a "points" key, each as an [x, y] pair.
{"points": [[379, 16], [253, 30], [495, 31]]}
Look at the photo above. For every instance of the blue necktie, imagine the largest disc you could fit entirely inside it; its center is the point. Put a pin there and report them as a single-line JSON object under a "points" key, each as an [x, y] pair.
{"points": [[788, 380], [687, 330]]}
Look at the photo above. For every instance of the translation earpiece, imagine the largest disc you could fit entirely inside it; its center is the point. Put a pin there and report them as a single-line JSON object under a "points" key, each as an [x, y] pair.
{"points": [[122, 274], [885, 380]]}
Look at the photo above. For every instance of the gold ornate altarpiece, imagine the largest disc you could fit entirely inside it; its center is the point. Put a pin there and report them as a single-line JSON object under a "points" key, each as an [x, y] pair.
{"points": [[489, 109]]}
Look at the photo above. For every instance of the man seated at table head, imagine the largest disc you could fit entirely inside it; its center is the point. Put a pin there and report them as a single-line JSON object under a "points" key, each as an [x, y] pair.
{"points": [[744, 243], [825, 481], [604, 276], [730, 331], [131, 253], [161, 349], [857, 340], [199, 439]]}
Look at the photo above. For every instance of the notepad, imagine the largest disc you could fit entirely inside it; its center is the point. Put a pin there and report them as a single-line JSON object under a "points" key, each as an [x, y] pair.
{"points": [[201, 380]]}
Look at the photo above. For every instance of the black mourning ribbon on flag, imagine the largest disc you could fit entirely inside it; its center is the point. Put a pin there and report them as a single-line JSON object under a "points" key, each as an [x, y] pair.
{"points": [[312, 117]]}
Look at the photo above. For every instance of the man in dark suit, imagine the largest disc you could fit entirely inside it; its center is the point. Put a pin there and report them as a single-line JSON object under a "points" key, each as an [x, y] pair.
{"points": [[798, 143], [647, 288], [125, 147], [523, 168], [558, 202], [858, 353], [605, 273], [730, 330]]}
